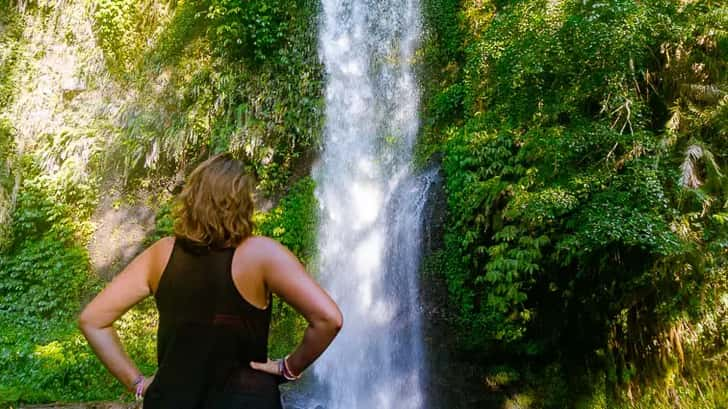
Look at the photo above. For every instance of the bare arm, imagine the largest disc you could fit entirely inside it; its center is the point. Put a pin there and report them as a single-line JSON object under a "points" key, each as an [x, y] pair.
{"points": [[285, 276], [128, 288]]}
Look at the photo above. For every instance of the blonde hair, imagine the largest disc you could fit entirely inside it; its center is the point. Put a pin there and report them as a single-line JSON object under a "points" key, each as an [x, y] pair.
{"points": [[215, 207]]}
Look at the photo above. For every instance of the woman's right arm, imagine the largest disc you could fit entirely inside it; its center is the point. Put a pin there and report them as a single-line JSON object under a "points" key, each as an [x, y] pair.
{"points": [[284, 275]]}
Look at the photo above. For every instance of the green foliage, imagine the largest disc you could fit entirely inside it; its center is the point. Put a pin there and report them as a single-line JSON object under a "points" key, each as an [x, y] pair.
{"points": [[229, 75], [163, 224], [10, 45], [293, 222], [570, 132], [250, 28], [584, 148], [120, 31], [185, 24], [43, 276], [442, 88], [45, 223], [192, 89], [7, 180]]}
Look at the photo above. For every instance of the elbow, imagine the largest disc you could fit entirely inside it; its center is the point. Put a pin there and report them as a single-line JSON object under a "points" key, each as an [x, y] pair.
{"points": [[336, 321], [330, 322], [84, 322]]}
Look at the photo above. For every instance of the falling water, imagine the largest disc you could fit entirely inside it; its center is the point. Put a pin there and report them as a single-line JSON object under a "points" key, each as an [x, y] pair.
{"points": [[371, 201]]}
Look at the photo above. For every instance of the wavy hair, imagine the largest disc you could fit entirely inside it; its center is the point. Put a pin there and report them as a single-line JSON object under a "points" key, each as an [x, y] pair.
{"points": [[215, 207]]}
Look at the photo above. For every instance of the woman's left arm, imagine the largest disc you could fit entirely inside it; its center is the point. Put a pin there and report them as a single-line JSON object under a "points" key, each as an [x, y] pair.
{"points": [[128, 288]]}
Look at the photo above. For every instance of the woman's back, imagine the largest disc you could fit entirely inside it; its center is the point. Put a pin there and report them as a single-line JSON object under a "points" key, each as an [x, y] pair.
{"points": [[208, 334], [208, 282]]}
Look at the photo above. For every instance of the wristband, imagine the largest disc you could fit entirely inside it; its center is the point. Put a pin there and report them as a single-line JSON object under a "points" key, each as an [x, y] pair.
{"points": [[286, 371]]}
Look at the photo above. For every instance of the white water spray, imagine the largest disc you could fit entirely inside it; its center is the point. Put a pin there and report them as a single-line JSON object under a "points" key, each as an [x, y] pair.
{"points": [[371, 202]]}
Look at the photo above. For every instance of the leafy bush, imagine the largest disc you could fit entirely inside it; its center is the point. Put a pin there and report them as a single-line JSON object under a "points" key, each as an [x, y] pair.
{"points": [[251, 28], [569, 133], [116, 25], [252, 85], [294, 221], [43, 275]]}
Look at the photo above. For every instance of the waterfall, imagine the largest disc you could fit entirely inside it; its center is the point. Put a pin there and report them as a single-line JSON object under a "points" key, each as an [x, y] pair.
{"points": [[370, 205]]}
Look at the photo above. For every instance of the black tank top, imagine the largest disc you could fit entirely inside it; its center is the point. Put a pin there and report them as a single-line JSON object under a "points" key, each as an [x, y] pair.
{"points": [[208, 333]]}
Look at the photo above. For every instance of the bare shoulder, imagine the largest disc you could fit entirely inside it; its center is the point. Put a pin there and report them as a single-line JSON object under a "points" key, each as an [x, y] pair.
{"points": [[263, 249], [159, 254], [163, 246], [261, 246], [165, 242]]}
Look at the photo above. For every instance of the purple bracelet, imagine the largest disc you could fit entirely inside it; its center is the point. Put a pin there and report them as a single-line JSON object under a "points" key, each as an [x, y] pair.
{"points": [[281, 368], [139, 387]]}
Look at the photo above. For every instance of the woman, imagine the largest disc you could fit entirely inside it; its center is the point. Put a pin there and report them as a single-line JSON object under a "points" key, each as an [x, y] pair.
{"points": [[212, 283]]}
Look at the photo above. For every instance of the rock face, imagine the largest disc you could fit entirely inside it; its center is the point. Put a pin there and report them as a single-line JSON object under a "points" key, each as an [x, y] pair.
{"points": [[434, 214], [121, 227], [71, 87], [455, 382]]}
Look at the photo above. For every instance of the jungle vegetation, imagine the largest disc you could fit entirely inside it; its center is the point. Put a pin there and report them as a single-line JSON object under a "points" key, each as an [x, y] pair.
{"points": [[583, 145]]}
